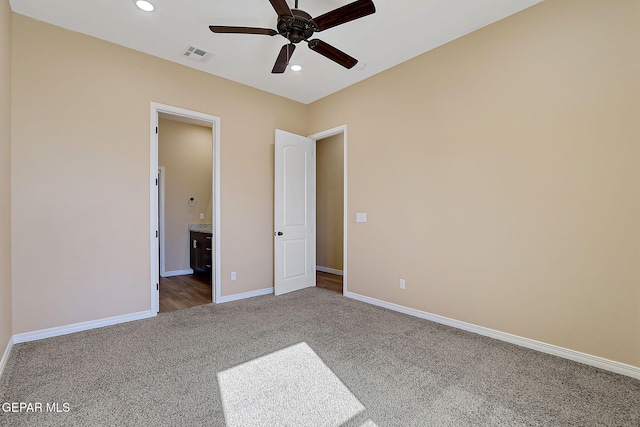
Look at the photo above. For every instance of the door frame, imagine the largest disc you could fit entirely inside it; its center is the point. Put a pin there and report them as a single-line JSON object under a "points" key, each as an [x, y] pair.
{"points": [[161, 239], [183, 115], [326, 134]]}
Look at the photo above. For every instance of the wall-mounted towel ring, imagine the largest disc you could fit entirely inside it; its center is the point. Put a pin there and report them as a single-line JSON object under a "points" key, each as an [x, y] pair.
{"points": [[192, 202]]}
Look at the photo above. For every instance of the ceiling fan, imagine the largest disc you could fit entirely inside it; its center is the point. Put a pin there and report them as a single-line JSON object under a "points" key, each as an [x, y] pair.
{"points": [[297, 25]]}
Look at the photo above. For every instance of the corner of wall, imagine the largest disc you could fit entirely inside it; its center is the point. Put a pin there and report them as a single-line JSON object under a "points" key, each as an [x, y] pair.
{"points": [[5, 356], [6, 315]]}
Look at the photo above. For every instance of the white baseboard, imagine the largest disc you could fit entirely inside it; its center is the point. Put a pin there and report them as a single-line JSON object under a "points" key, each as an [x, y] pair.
{"points": [[77, 327], [329, 270], [236, 297], [576, 356], [5, 356], [177, 273]]}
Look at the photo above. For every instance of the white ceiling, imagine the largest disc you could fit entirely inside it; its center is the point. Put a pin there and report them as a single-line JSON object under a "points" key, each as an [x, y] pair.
{"points": [[398, 31]]}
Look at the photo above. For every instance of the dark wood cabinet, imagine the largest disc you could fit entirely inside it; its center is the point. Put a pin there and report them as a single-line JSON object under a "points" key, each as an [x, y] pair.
{"points": [[200, 252]]}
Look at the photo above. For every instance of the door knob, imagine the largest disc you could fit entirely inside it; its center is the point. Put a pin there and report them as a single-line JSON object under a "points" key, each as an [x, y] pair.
{"points": [[280, 233]]}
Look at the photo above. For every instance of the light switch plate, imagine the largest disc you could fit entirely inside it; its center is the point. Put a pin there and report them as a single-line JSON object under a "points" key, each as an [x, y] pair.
{"points": [[201, 216], [361, 217]]}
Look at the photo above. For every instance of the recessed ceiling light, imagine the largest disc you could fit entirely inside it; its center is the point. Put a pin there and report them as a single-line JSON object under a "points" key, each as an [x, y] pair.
{"points": [[296, 67], [144, 5]]}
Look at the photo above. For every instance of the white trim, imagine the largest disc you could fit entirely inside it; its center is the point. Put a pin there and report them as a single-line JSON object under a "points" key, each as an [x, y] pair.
{"points": [[84, 326], [184, 114], [162, 241], [326, 134], [329, 270], [153, 215], [576, 356], [5, 356], [177, 273], [244, 295], [217, 266]]}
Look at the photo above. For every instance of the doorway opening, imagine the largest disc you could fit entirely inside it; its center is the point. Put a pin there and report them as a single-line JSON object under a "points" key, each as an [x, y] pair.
{"points": [[185, 153], [185, 208], [331, 209], [295, 209]]}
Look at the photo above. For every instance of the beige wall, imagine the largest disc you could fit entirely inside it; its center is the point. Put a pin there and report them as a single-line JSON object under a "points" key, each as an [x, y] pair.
{"points": [[501, 178], [329, 201], [81, 173], [499, 173], [186, 152], [5, 175]]}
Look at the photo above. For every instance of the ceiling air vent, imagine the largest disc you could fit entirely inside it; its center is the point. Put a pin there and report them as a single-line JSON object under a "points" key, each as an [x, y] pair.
{"points": [[198, 55]]}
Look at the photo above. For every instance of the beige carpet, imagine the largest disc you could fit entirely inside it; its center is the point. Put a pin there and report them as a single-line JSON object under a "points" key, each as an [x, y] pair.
{"points": [[311, 357]]}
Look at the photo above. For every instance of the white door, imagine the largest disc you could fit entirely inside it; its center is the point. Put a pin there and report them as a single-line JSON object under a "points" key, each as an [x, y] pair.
{"points": [[295, 212]]}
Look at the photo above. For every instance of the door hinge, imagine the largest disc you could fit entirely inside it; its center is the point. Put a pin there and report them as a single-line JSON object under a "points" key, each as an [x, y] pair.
{"points": [[156, 130], [157, 287], [156, 182], [156, 234]]}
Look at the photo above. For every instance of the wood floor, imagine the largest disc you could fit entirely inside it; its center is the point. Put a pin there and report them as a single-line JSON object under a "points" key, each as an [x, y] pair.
{"points": [[332, 282], [180, 292]]}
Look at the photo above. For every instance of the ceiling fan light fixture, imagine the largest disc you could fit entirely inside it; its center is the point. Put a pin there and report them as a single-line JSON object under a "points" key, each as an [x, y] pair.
{"points": [[296, 67], [145, 5]]}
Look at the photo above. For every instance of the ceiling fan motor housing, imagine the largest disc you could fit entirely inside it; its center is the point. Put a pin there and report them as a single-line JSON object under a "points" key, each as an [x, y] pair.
{"points": [[297, 28]]}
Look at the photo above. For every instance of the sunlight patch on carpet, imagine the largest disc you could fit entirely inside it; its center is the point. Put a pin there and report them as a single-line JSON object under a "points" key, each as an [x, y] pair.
{"points": [[290, 387]]}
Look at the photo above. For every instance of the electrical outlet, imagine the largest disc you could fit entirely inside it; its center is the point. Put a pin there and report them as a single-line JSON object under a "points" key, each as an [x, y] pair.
{"points": [[402, 284], [201, 216], [233, 275]]}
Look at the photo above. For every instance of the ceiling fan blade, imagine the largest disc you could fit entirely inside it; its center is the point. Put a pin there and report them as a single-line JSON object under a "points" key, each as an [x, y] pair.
{"points": [[343, 14], [281, 7], [332, 53], [242, 30], [283, 58]]}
